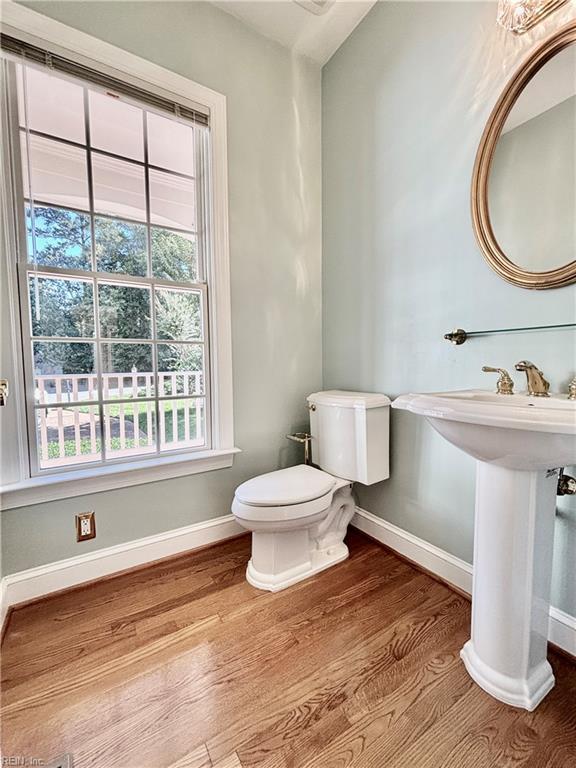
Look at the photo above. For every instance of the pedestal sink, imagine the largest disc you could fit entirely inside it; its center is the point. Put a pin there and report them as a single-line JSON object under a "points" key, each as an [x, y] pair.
{"points": [[519, 443]]}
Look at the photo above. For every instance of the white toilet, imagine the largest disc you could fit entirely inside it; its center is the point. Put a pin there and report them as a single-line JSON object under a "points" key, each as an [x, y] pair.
{"points": [[299, 516]]}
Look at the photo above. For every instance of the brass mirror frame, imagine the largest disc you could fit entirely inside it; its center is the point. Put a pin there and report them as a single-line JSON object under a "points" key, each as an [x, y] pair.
{"points": [[500, 263]]}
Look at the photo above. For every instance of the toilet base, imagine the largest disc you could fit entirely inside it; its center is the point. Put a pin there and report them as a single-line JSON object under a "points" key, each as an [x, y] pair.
{"points": [[319, 561]]}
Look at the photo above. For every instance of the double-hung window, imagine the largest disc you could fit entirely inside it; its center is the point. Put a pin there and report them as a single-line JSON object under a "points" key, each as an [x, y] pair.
{"points": [[112, 203]]}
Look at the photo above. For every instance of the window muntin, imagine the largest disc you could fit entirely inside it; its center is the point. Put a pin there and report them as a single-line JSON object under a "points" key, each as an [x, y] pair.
{"points": [[116, 344]]}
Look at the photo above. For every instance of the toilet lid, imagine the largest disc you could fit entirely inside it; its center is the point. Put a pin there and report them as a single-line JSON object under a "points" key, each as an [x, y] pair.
{"points": [[294, 485]]}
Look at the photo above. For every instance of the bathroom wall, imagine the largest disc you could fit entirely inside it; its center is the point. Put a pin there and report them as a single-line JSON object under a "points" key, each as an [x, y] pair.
{"points": [[405, 100], [275, 236]]}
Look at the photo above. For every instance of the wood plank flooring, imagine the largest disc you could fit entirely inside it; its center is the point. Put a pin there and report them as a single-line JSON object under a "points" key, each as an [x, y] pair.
{"points": [[184, 665]]}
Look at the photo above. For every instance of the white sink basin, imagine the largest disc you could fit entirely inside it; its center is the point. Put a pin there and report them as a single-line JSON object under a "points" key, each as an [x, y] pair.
{"points": [[519, 442], [514, 431]]}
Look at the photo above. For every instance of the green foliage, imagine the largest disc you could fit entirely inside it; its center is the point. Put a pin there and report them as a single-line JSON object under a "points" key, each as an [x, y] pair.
{"points": [[60, 307], [122, 358], [178, 315], [180, 357], [62, 238], [120, 246], [173, 256], [86, 447], [72, 358], [130, 442], [124, 311]]}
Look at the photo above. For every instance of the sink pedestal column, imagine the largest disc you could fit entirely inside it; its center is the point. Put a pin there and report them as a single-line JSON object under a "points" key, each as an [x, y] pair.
{"points": [[513, 541]]}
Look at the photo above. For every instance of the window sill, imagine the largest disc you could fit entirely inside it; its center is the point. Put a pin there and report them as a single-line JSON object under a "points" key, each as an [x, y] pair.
{"points": [[81, 482]]}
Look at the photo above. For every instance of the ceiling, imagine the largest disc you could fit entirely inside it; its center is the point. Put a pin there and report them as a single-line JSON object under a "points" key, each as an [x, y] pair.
{"points": [[316, 33]]}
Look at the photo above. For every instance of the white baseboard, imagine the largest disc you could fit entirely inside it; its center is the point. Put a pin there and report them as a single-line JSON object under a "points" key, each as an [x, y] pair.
{"points": [[453, 570], [562, 631], [36, 582]]}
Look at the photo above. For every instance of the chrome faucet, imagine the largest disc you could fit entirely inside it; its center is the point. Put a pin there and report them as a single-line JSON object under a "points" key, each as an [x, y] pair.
{"points": [[537, 384]]}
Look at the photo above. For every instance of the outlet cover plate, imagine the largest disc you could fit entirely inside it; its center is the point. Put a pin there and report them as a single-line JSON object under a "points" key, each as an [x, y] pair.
{"points": [[85, 526]]}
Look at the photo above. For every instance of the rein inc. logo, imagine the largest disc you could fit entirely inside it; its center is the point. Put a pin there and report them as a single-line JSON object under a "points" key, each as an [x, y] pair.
{"points": [[22, 761]]}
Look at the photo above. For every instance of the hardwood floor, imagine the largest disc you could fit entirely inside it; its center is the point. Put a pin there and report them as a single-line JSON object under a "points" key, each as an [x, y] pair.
{"points": [[184, 665]]}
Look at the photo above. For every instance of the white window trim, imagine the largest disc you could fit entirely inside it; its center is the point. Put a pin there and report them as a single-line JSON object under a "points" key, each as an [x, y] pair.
{"points": [[42, 31]]}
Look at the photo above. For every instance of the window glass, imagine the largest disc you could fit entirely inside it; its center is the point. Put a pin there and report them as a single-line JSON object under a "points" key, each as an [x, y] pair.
{"points": [[171, 200], [174, 255], [180, 369], [127, 371], [116, 126], [121, 246], [178, 314], [54, 104], [170, 144], [61, 306], [129, 428], [69, 435], [58, 237], [182, 423], [64, 372], [57, 174], [116, 344], [124, 311], [118, 187]]}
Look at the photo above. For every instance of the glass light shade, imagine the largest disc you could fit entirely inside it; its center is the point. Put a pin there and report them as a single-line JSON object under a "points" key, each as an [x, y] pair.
{"points": [[520, 15]]}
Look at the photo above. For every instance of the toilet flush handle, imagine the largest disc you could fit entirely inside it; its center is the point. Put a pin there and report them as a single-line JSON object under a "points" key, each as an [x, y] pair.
{"points": [[303, 437]]}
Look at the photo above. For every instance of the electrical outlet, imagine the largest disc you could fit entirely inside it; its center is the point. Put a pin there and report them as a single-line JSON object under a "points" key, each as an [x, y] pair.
{"points": [[85, 526]]}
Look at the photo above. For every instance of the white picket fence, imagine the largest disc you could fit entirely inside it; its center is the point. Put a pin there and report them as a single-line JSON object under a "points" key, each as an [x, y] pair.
{"points": [[76, 431]]}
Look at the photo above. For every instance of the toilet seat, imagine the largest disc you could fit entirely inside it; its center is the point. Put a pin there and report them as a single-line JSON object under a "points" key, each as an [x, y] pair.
{"points": [[288, 494], [282, 512], [285, 487]]}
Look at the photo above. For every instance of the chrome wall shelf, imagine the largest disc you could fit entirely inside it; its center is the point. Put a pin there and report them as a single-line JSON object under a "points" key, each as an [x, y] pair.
{"points": [[459, 335]]}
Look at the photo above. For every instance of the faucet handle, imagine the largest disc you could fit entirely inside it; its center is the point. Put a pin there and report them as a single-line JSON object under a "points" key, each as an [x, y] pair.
{"points": [[504, 385]]}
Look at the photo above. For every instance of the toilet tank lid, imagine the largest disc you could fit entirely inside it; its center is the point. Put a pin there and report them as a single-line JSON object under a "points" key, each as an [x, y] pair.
{"points": [[293, 485], [344, 399]]}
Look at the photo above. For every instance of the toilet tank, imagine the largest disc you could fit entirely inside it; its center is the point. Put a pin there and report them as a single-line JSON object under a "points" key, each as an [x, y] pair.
{"points": [[351, 434]]}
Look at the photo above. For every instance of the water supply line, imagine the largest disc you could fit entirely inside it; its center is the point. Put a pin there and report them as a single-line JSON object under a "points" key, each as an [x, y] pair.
{"points": [[303, 437]]}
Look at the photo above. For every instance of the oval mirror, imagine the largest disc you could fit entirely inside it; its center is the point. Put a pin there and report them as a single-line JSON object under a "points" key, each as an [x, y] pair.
{"points": [[524, 185]]}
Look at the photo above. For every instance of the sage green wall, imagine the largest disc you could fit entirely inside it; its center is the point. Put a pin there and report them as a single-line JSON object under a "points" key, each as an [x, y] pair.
{"points": [[275, 237], [405, 100]]}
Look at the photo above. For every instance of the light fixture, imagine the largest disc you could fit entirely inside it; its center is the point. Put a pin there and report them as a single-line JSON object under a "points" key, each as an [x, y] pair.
{"points": [[520, 15]]}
